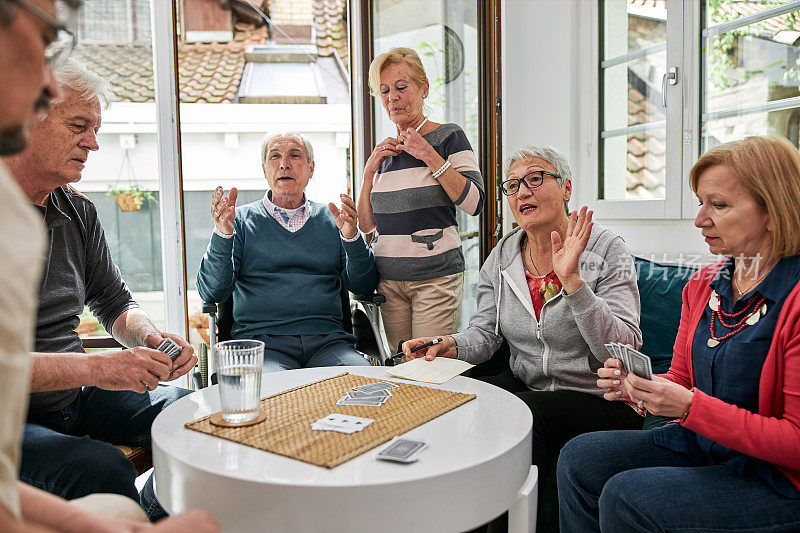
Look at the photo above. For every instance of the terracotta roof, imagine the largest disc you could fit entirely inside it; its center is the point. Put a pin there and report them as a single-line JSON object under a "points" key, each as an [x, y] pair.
{"points": [[210, 72], [331, 28]]}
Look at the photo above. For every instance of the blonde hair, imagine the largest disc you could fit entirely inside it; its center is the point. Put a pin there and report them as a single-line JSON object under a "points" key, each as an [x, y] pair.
{"points": [[405, 56], [769, 168]]}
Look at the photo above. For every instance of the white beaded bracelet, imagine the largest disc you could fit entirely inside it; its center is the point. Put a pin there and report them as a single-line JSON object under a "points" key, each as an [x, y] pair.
{"points": [[441, 170]]}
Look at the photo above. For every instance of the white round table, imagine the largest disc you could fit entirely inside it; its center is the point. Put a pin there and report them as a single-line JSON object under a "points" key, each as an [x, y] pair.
{"points": [[476, 466]]}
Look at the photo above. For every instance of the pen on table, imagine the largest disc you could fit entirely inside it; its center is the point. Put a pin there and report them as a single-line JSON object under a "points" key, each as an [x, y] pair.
{"points": [[391, 361]]}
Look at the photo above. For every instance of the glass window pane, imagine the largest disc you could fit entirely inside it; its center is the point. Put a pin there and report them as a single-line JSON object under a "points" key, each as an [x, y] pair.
{"points": [[444, 33], [633, 157], [783, 123], [629, 26], [634, 166], [747, 66], [632, 92], [238, 81], [720, 11], [121, 178]]}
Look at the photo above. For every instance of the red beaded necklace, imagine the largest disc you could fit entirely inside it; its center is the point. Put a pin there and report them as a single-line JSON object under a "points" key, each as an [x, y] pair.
{"points": [[748, 316]]}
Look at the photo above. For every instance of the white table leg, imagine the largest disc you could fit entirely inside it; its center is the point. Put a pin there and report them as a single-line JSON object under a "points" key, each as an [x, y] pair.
{"points": [[522, 515]]}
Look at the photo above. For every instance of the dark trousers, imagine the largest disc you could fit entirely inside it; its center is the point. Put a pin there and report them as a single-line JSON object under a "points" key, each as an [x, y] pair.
{"points": [[622, 481], [558, 416], [70, 453]]}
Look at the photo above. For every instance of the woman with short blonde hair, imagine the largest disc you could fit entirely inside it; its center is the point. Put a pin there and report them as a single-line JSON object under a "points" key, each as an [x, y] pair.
{"points": [[413, 184]]}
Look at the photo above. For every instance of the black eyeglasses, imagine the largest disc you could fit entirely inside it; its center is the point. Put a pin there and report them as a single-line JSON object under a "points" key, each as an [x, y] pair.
{"points": [[532, 180], [57, 52]]}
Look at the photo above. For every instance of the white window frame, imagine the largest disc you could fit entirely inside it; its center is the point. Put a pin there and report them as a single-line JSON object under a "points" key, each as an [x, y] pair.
{"points": [[169, 165], [681, 121]]}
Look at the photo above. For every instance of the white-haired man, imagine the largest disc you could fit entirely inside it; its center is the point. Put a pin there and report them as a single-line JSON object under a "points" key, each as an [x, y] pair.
{"points": [[284, 259], [82, 404]]}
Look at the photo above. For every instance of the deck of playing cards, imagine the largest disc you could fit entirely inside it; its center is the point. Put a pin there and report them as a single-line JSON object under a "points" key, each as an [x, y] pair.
{"points": [[403, 449], [370, 395], [170, 347], [341, 423], [632, 360]]}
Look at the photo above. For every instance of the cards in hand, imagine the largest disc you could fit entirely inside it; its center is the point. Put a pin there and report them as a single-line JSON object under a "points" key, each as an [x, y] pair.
{"points": [[403, 449], [370, 395], [632, 360], [341, 423], [171, 348]]}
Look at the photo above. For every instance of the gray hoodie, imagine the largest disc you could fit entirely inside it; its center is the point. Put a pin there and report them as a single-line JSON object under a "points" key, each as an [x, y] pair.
{"points": [[564, 349]]}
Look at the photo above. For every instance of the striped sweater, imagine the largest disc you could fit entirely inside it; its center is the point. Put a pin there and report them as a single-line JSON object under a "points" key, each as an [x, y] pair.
{"points": [[417, 232]]}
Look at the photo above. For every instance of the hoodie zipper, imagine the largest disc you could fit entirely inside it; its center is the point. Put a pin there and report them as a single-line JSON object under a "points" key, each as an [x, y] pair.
{"points": [[540, 336]]}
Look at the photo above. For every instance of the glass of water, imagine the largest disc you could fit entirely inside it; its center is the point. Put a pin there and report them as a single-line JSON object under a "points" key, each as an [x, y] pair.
{"points": [[239, 365]]}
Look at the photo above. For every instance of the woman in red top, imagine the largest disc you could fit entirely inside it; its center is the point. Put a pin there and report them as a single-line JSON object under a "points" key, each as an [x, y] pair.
{"points": [[731, 459]]}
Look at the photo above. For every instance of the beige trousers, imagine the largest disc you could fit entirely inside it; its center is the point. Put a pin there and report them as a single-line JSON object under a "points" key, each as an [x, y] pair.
{"points": [[424, 308]]}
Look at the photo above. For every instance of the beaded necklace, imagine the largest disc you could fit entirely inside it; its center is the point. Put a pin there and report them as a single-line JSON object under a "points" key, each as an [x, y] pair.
{"points": [[747, 316]]}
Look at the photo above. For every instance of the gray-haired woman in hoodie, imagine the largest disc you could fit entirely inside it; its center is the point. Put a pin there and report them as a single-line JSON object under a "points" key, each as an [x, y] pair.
{"points": [[557, 289]]}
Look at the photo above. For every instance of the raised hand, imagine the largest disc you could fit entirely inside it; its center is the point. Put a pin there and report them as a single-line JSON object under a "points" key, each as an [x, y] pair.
{"points": [[567, 254], [345, 217], [223, 209], [382, 150]]}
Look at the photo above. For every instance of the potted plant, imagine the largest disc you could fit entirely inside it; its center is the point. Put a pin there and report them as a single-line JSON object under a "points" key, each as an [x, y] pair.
{"points": [[130, 197]]}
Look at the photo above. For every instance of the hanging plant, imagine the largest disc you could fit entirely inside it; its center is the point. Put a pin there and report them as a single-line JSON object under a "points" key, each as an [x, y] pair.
{"points": [[130, 197]]}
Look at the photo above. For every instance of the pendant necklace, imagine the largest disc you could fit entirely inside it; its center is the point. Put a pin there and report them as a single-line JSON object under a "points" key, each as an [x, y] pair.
{"points": [[531, 257], [747, 316]]}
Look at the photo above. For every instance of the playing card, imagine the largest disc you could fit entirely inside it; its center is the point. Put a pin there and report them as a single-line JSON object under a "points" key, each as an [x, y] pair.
{"points": [[640, 364], [169, 347], [366, 402], [403, 449], [377, 395], [341, 423], [373, 387]]}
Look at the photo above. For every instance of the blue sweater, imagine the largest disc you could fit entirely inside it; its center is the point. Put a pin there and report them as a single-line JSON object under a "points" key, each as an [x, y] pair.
{"points": [[284, 283]]}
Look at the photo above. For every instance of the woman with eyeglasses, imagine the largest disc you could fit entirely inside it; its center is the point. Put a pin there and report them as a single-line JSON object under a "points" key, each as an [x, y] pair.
{"points": [[557, 288]]}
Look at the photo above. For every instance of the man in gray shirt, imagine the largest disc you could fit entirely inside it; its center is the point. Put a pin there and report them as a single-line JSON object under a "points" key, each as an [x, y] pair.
{"points": [[81, 403]]}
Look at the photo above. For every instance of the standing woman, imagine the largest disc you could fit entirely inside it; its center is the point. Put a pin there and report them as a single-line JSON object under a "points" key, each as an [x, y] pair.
{"points": [[412, 186]]}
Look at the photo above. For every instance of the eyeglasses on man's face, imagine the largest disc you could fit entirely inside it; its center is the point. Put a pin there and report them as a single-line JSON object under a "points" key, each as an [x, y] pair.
{"points": [[532, 180], [62, 42]]}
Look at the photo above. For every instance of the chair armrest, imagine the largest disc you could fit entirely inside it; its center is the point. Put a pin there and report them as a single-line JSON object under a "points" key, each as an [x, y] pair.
{"points": [[374, 298], [209, 308], [104, 341]]}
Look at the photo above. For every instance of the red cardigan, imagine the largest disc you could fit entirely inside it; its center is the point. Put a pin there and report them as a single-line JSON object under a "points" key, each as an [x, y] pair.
{"points": [[773, 434]]}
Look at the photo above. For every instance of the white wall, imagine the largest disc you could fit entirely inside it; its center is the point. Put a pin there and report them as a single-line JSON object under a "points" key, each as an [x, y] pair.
{"points": [[541, 91]]}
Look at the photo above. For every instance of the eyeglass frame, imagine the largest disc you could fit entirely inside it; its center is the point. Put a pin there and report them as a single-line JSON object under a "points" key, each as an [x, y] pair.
{"points": [[523, 179], [58, 58]]}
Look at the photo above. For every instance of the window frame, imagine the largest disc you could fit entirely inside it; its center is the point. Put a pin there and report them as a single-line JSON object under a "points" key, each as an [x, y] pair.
{"points": [[682, 122]]}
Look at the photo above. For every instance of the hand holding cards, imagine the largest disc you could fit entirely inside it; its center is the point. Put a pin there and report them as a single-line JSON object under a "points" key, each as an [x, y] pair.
{"points": [[632, 360], [171, 348]]}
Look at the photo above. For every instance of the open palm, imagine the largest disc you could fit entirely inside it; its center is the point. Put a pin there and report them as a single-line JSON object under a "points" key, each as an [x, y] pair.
{"points": [[567, 254]]}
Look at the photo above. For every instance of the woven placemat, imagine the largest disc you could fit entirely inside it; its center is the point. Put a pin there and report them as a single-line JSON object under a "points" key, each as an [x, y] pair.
{"points": [[287, 429]]}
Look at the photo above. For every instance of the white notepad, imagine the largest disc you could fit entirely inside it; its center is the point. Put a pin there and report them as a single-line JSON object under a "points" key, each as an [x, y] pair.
{"points": [[437, 371]]}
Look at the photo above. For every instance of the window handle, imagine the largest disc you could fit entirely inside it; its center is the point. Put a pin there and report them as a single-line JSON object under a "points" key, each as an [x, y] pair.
{"points": [[672, 76]]}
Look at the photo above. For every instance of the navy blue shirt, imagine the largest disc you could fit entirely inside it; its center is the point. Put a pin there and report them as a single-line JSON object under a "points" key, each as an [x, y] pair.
{"points": [[731, 371]]}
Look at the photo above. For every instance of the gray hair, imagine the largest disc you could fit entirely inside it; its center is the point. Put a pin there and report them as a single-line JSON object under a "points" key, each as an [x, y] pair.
{"points": [[79, 78], [549, 154], [271, 136]]}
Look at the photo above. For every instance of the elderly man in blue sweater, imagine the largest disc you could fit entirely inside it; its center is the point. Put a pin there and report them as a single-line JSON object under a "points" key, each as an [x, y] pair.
{"points": [[284, 259]]}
